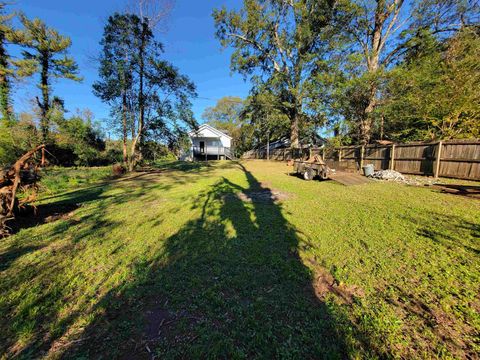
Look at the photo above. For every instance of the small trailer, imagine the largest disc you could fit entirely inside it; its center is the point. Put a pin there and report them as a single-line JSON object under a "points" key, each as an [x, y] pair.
{"points": [[311, 168]]}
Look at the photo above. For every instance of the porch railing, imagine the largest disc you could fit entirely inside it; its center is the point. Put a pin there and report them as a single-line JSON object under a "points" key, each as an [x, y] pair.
{"points": [[212, 151]]}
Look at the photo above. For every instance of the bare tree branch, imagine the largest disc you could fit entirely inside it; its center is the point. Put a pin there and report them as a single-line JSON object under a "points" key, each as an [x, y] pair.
{"points": [[156, 11], [395, 8]]}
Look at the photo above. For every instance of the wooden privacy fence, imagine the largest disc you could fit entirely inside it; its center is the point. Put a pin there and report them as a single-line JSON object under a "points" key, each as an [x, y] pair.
{"points": [[277, 154], [455, 159]]}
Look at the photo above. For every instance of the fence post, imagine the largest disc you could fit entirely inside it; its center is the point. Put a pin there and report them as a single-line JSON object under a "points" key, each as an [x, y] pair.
{"points": [[392, 158], [438, 159], [323, 153], [362, 153], [339, 155]]}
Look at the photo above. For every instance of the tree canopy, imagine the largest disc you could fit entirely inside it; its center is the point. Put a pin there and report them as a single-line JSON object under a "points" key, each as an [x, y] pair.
{"points": [[280, 45], [393, 69], [147, 95]]}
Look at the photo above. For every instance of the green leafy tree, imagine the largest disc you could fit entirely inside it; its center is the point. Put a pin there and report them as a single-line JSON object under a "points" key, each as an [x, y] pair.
{"points": [[371, 27], [279, 44], [263, 120], [436, 95], [150, 94], [11, 68], [226, 116], [378, 34], [82, 137], [5, 70], [47, 51], [167, 96], [17, 138], [116, 70]]}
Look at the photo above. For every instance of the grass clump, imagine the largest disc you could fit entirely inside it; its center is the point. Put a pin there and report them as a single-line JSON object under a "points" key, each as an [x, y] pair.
{"points": [[58, 179]]}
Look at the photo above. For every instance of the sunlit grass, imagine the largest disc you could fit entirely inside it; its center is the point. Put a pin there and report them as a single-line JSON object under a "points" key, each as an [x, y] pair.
{"points": [[56, 179], [175, 262]]}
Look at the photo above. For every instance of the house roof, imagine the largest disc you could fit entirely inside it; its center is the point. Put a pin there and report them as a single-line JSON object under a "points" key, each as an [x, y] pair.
{"points": [[193, 133]]}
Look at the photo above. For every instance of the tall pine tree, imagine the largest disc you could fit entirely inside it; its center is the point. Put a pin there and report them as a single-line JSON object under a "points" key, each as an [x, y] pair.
{"points": [[47, 50]]}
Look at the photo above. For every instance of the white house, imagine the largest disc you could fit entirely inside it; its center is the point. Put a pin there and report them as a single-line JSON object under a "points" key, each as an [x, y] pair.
{"points": [[209, 143]]}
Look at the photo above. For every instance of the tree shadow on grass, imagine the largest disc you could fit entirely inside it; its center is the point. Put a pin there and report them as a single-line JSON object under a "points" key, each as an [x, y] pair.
{"points": [[14, 253], [229, 284], [452, 232], [470, 191]]}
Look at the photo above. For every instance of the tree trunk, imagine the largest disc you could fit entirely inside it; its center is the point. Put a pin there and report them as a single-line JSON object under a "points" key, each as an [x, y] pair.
{"points": [[268, 145], [133, 131], [45, 105], [294, 120], [133, 155], [4, 83], [125, 130], [382, 126], [372, 65], [137, 141], [141, 100], [367, 121]]}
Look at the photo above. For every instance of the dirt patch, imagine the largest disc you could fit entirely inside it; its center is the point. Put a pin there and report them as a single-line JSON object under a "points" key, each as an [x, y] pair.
{"points": [[454, 334], [157, 321], [263, 194], [32, 216], [59, 216], [160, 324], [447, 329], [325, 284]]}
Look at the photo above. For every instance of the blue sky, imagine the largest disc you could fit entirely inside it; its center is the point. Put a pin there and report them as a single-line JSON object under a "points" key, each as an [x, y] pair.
{"points": [[189, 44]]}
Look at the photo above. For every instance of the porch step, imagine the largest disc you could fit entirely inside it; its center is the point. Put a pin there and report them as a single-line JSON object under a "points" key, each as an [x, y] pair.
{"points": [[229, 154]]}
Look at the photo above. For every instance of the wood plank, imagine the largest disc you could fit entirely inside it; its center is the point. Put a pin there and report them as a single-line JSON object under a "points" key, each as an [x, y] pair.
{"points": [[416, 144], [461, 160], [452, 142], [438, 159], [349, 179]]}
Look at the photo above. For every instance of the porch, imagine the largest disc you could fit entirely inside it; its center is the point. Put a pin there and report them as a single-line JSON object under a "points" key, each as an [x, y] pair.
{"points": [[210, 149]]}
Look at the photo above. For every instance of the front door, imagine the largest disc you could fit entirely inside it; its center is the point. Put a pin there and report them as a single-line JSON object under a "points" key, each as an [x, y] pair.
{"points": [[202, 147]]}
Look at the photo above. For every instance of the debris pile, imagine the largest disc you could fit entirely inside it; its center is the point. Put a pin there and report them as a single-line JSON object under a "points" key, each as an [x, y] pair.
{"points": [[20, 175], [392, 175], [388, 175]]}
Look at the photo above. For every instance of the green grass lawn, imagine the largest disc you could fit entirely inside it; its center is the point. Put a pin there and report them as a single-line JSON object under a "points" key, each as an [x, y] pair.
{"points": [[196, 260]]}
